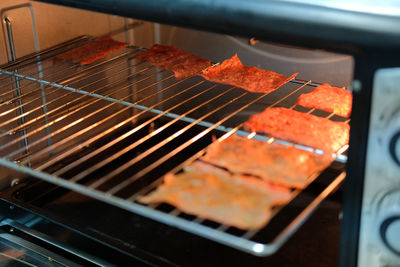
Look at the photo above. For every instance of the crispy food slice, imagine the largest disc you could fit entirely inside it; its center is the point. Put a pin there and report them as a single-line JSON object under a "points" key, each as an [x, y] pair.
{"points": [[328, 98], [252, 79], [212, 193], [302, 128], [280, 164], [182, 63], [92, 51]]}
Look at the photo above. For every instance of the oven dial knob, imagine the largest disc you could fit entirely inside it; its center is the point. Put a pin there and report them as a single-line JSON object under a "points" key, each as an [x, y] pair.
{"points": [[388, 215], [394, 147], [390, 233]]}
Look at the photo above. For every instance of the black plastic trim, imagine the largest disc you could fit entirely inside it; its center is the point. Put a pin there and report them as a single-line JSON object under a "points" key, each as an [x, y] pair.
{"points": [[134, 256], [296, 23]]}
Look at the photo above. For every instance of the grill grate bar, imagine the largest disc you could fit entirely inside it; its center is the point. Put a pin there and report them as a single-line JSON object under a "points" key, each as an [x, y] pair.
{"points": [[54, 70], [65, 68], [143, 139], [39, 60], [306, 213], [247, 234], [58, 108], [77, 108], [78, 121], [57, 89], [339, 157], [152, 166], [277, 209], [47, 164], [160, 144], [74, 77], [157, 182], [37, 57], [59, 82], [116, 140]]}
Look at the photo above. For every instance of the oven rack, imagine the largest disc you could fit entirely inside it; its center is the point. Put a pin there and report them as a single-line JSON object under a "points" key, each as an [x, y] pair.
{"points": [[50, 112]]}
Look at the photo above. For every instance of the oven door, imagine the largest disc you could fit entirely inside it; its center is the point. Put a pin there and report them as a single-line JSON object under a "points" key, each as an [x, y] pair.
{"points": [[144, 128]]}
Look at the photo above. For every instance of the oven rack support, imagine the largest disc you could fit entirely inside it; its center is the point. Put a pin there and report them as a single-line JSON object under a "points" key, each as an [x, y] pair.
{"points": [[72, 90]]}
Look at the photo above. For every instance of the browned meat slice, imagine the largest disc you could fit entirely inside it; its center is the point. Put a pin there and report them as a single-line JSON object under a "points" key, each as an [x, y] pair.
{"points": [[302, 128], [92, 51], [252, 79], [182, 63], [276, 163], [212, 193], [328, 98]]}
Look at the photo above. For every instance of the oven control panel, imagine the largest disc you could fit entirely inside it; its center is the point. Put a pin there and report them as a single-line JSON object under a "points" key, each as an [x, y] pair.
{"points": [[379, 243]]}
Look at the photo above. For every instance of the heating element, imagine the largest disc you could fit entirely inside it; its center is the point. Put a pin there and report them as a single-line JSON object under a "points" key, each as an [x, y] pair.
{"points": [[112, 129]]}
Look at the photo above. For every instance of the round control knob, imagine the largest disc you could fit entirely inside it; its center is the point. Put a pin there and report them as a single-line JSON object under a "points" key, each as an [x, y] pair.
{"points": [[394, 147], [390, 233]]}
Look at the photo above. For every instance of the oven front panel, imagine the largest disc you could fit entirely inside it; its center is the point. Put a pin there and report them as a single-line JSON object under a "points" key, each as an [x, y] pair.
{"points": [[380, 217], [340, 26]]}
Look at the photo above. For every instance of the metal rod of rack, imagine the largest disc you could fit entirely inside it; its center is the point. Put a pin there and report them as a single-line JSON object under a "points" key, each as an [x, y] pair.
{"points": [[150, 167], [74, 123], [60, 82], [165, 141], [125, 135], [176, 212], [45, 54], [38, 107], [63, 68], [63, 107], [113, 115]]}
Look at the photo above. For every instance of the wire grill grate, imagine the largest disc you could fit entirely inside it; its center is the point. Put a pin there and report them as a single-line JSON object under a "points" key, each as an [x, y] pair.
{"points": [[111, 130]]}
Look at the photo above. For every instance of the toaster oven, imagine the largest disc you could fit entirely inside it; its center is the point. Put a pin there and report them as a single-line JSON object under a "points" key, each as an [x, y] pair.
{"points": [[80, 144]]}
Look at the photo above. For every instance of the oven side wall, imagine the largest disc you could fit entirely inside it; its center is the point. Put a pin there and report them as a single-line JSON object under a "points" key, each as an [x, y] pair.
{"points": [[57, 24]]}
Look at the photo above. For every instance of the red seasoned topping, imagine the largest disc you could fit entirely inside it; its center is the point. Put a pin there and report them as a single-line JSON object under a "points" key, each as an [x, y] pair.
{"points": [[302, 128], [182, 63], [92, 51], [328, 98], [252, 79]]}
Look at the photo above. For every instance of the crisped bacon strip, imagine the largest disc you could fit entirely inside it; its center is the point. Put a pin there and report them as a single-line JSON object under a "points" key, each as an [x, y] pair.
{"points": [[328, 98], [92, 51], [302, 128], [182, 63], [252, 79], [210, 192], [275, 163]]}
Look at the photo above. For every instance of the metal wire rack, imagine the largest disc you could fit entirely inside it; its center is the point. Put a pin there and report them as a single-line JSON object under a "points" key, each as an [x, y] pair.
{"points": [[112, 129]]}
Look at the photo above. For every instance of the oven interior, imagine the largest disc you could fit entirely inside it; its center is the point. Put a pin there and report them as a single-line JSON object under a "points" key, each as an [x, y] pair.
{"points": [[80, 143]]}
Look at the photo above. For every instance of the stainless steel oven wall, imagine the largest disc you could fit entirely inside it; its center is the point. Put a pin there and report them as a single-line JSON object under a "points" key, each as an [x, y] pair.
{"points": [[312, 64], [56, 24]]}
